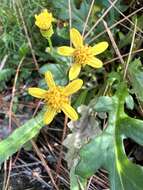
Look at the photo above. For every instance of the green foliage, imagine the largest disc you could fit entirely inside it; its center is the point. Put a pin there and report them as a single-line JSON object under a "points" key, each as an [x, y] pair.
{"points": [[78, 15], [20, 136], [107, 150], [81, 98], [136, 77], [126, 38], [59, 71], [13, 40], [5, 75], [100, 149], [129, 102]]}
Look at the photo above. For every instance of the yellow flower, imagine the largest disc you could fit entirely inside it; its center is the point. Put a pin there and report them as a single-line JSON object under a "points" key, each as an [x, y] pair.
{"points": [[44, 20], [82, 54], [57, 97]]}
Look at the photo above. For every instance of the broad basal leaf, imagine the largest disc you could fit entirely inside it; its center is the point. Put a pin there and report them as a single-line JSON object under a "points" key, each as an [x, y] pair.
{"points": [[107, 150], [78, 15], [20, 136]]}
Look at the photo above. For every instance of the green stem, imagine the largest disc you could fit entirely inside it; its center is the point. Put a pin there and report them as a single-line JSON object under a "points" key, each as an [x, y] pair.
{"points": [[50, 44]]}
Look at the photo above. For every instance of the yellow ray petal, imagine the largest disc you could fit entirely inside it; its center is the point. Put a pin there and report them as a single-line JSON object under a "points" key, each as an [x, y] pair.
{"points": [[74, 71], [66, 51], [49, 115], [94, 62], [76, 38], [73, 86], [37, 92], [99, 48], [69, 111], [49, 79]]}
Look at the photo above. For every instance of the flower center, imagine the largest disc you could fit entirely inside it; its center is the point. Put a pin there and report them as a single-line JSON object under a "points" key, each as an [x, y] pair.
{"points": [[81, 55], [55, 98]]}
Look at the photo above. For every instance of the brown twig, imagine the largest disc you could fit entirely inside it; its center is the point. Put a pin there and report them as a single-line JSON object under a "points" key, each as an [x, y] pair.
{"points": [[114, 43], [114, 25], [8, 175], [13, 91], [70, 13], [10, 116], [5, 175], [61, 148], [100, 19], [27, 35], [124, 55], [131, 49], [87, 18], [44, 163], [125, 17]]}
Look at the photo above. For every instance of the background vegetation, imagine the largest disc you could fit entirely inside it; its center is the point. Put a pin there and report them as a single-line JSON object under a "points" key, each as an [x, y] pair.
{"points": [[24, 58]]}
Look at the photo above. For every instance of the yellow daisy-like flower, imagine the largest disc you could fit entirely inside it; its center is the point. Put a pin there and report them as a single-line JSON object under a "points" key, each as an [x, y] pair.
{"points": [[57, 97], [44, 20], [82, 54]]}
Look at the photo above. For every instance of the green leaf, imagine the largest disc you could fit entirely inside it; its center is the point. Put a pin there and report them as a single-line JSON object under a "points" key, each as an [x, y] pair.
{"points": [[104, 104], [81, 98], [20, 136], [129, 102], [23, 50], [136, 77], [114, 76], [63, 32], [59, 72], [75, 183], [78, 15], [107, 149], [5, 74]]}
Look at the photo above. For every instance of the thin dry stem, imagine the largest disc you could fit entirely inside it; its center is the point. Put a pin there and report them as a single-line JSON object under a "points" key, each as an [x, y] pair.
{"points": [[124, 55], [8, 175], [10, 116], [131, 48], [114, 25], [99, 20], [5, 174], [13, 91], [125, 17], [61, 148], [27, 35], [2, 63], [44, 163], [70, 17], [113, 43], [131, 30], [87, 18]]}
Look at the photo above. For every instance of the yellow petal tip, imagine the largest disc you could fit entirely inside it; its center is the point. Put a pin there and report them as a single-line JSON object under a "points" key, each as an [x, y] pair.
{"points": [[76, 38], [79, 83], [74, 71], [75, 118], [106, 45]]}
